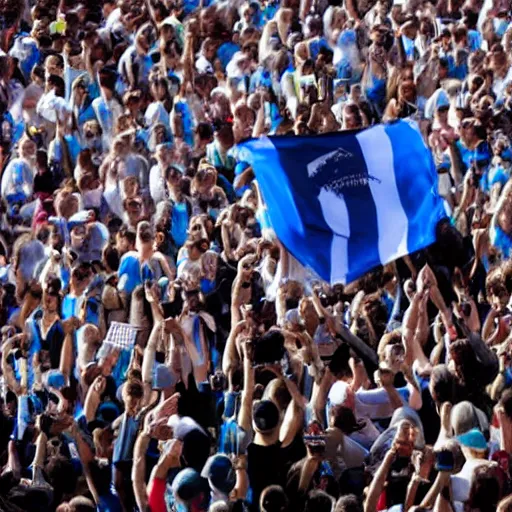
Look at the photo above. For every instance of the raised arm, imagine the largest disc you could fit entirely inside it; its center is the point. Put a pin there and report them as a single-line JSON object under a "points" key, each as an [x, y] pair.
{"points": [[245, 414]]}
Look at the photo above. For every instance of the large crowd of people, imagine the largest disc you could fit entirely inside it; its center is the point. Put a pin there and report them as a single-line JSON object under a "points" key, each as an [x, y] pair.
{"points": [[160, 349]]}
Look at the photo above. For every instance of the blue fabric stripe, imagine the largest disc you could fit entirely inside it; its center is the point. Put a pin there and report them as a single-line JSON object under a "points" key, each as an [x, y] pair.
{"points": [[417, 184], [362, 215]]}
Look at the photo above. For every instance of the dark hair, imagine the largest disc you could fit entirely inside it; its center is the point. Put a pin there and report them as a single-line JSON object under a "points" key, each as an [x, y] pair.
{"points": [[204, 131], [57, 81], [81, 504], [348, 503], [42, 158], [339, 362], [107, 78], [111, 257], [273, 499], [61, 476], [506, 402], [134, 389], [127, 233], [318, 501], [486, 490], [444, 386]]}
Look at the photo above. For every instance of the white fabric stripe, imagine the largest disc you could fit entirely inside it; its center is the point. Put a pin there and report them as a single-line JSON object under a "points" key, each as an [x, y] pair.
{"points": [[335, 213], [339, 259], [392, 223]]}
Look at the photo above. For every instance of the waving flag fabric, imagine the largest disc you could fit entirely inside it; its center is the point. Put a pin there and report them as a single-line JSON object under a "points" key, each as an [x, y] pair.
{"points": [[346, 202]]}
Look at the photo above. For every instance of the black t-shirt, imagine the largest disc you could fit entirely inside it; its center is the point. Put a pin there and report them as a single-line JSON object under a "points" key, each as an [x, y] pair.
{"points": [[44, 183], [265, 466]]}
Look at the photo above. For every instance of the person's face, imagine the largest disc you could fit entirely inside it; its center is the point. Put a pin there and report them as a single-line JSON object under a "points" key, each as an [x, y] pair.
{"points": [[50, 303], [206, 180], [52, 69], [442, 115], [134, 209], [175, 179], [80, 93], [78, 235], [107, 8], [29, 149], [131, 403], [210, 265], [208, 21], [467, 135], [160, 135], [56, 241], [499, 302], [350, 122], [408, 93], [122, 244], [355, 92], [209, 52], [197, 231]]}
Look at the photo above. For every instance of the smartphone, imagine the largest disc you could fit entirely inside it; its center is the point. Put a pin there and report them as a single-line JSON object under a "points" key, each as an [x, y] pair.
{"points": [[444, 461]]}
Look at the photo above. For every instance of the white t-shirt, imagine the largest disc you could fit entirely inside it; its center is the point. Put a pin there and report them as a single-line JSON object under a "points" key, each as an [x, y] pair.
{"points": [[462, 481]]}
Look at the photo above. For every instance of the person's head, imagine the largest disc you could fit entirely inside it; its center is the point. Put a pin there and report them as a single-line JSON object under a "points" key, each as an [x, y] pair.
{"points": [[486, 489], [145, 236], [132, 100], [465, 417], [111, 258], [191, 490], [339, 364], [174, 178], [51, 296], [197, 248], [319, 501], [41, 161], [107, 80], [497, 293], [273, 499], [220, 474], [266, 417], [472, 131], [133, 391], [348, 503], [498, 59], [77, 504], [54, 65], [61, 476], [205, 179], [443, 385], [407, 91], [209, 262], [125, 240], [506, 403], [28, 149], [352, 118]]}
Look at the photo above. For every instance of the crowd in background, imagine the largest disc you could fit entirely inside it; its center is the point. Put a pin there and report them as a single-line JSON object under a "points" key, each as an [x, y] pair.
{"points": [[160, 349]]}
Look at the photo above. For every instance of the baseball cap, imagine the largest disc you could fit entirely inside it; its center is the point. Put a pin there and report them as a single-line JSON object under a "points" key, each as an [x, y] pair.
{"points": [[220, 473], [265, 415], [55, 379], [473, 439], [189, 484], [162, 377]]}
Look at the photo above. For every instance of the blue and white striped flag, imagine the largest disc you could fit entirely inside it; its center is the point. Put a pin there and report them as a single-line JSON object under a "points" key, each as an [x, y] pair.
{"points": [[346, 202]]}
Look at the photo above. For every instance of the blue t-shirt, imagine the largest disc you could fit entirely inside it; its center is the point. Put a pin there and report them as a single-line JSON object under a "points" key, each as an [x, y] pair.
{"points": [[226, 51]]}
